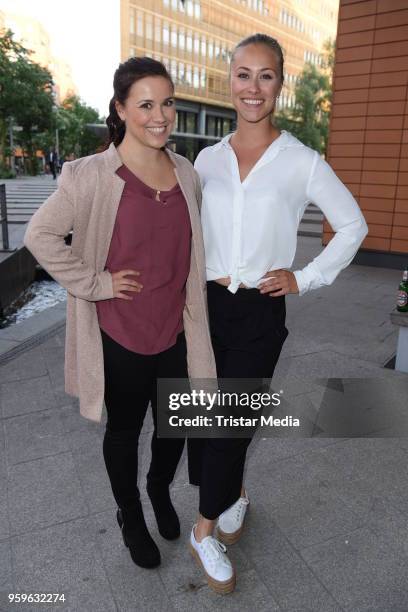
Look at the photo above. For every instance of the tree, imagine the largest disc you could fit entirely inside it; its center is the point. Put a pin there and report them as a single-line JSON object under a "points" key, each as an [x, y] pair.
{"points": [[72, 118], [308, 120], [36, 114], [26, 96], [10, 51]]}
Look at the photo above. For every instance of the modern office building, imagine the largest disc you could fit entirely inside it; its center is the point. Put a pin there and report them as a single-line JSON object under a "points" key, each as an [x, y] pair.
{"points": [[368, 141], [194, 39]]}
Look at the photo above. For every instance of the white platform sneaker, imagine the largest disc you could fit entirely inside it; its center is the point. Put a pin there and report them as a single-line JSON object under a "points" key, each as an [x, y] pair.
{"points": [[231, 522], [211, 556]]}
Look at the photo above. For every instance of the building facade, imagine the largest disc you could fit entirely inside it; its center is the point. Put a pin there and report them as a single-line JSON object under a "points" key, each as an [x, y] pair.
{"points": [[368, 142], [194, 39]]}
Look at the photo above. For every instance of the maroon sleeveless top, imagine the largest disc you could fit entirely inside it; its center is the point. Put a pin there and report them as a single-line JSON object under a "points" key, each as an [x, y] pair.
{"points": [[155, 239]]}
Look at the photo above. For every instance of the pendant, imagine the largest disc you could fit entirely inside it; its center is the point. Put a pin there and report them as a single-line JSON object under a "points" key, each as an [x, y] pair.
{"points": [[158, 195]]}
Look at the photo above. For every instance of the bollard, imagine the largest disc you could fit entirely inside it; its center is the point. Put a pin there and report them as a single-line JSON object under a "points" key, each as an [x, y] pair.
{"points": [[3, 218]]}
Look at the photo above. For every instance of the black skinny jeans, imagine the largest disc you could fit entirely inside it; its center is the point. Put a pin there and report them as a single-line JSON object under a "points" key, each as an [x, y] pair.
{"points": [[130, 384], [247, 332]]}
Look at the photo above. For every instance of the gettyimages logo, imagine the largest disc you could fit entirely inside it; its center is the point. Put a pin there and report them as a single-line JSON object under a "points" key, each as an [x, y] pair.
{"points": [[208, 400], [235, 408]]}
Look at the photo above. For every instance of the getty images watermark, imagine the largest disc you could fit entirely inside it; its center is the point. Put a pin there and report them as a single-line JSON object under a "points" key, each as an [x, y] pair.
{"points": [[223, 399], [236, 408]]}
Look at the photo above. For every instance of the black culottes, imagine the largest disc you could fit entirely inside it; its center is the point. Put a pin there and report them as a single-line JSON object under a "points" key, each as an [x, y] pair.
{"points": [[247, 331]]}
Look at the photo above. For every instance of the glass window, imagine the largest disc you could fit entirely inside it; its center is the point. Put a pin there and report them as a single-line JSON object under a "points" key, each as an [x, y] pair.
{"points": [[173, 69], [149, 27], [226, 126], [181, 72], [203, 78], [189, 8], [197, 10], [174, 36], [191, 122], [196, 44], [189, 78], [196, 78], [182, 39], [166, 33], [174, 5], [211, 126], [203, 46], [189, 41], [210, 49], [132, 22], [139, 26], [157, 29]]}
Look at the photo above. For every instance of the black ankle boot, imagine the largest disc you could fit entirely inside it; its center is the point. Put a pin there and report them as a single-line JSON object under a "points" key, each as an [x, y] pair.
{"points": [[142, 547], [166, 516]]}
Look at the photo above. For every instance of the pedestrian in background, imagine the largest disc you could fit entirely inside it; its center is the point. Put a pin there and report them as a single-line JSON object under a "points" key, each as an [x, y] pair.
{"points": [[135, 276], [52, 161]]}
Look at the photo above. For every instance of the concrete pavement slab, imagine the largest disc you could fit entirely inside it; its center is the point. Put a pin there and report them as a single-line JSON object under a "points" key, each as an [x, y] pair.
{"points": [[34, 435], [4, 518], [281, 568], [26, 396], [29, 364], [54, 359], [330, 364], [281, 448], [43, 492], [250, 593], [6, 573], [64, 558], [7, 345], [91, 471], [361, 458], [310, 519], [361, 571]]}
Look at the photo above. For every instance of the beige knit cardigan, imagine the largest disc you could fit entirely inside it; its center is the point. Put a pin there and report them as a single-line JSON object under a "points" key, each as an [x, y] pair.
{"points": [[86, 201]]}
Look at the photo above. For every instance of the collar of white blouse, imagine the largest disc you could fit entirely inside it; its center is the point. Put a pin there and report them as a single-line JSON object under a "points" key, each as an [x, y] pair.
{"points": [[284, 140]]}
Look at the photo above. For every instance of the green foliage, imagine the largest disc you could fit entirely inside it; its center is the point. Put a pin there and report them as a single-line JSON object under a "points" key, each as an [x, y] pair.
{"points": [[71, 119], [308, 120], [5, 172], [26, 96], [27, 100]]}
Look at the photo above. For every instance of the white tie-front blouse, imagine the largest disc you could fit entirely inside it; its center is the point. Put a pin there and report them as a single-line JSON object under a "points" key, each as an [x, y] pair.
{"points": [[251, 227]]}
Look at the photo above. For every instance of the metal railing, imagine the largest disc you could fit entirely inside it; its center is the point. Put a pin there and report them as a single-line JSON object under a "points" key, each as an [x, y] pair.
{"points": [[3, 218]]}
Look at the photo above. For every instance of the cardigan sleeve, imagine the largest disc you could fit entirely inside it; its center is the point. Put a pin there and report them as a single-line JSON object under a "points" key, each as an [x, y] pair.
{"points": [[198, 189], [340, 208], [44, 237]]}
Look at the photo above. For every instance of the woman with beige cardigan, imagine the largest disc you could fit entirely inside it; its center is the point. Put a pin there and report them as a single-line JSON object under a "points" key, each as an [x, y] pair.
{"points": [[135, 277]]}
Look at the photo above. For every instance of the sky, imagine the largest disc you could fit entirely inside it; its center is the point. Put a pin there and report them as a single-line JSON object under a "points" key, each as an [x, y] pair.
{"points": [[86, 34]]}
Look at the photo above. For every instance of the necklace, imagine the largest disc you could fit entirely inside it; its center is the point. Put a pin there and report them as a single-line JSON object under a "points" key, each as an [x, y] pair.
{"points": [[157, 198]]}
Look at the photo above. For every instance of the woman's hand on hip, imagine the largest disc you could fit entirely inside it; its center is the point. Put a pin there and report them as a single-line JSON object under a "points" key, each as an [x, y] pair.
{"points": [[279, 282], [121, 282]]}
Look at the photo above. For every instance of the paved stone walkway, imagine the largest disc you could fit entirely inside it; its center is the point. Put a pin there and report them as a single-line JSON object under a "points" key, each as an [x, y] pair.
{"points": [[328, 525]]}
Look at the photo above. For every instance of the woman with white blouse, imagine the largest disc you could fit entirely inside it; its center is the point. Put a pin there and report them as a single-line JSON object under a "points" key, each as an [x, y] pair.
{"points": [[256, 185]]}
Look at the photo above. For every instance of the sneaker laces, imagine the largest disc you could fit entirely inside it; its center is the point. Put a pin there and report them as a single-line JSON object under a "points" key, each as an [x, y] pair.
{"points": [[241, 503], [214, 550]]}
